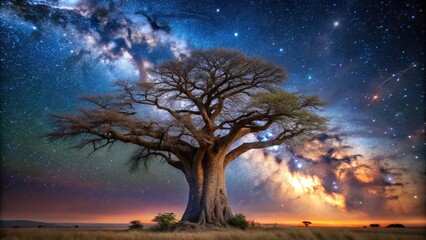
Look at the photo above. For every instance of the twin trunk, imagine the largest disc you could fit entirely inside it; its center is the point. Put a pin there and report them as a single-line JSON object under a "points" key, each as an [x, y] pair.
{"points": [[207, 202]]}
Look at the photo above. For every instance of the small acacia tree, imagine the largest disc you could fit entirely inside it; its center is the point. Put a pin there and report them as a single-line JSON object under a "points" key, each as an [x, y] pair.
{"points": [[307, 223], [165, 220], [135, 225], [200, 107]]}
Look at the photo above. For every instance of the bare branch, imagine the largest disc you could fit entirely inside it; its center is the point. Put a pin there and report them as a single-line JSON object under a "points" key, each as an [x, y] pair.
{"points": [[144, 155]]}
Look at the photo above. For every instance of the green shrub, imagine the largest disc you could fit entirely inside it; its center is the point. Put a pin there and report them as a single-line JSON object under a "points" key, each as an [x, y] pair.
{"points": [[166, 221], [135, 225], [239, 221]]}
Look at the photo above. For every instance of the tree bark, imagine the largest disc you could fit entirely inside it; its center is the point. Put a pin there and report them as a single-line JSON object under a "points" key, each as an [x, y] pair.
{"points": [[208, 201]]}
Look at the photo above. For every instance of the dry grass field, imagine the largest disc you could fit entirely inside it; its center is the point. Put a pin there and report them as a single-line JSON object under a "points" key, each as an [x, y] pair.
{"points": [[281, 233]]}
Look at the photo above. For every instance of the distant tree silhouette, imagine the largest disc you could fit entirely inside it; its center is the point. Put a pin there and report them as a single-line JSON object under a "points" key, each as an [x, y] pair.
{"points": [[395, 225], [76, 226], [135, 225], [40, 226], [375, 225], [205, 105], [307, 223]]}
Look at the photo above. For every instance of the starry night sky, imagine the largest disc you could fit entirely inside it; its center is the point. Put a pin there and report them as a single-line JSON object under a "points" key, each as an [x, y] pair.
{"points": [[364, 58]]}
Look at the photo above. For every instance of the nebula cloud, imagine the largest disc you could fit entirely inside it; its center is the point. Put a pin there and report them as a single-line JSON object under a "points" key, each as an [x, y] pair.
{"points": [[104, 32], [326, 172]]}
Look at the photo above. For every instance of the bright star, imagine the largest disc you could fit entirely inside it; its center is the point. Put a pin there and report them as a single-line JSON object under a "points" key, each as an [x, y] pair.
{"points": [[299, 165], [274, 148], [336, 23], [236, 34], [217, 10]]}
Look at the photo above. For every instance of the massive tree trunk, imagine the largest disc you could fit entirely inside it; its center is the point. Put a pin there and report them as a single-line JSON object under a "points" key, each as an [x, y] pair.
{"points": [[208, 201]]}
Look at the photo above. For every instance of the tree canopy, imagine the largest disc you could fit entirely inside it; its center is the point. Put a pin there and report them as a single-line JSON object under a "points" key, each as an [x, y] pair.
{"points": [[212, 98]]}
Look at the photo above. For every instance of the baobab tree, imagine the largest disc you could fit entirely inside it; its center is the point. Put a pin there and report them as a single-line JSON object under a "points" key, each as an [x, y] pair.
{"points": [[193, 114]]}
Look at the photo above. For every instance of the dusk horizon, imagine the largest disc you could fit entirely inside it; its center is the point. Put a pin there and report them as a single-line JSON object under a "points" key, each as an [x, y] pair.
{"points": [[149, 224], [331, 129]]}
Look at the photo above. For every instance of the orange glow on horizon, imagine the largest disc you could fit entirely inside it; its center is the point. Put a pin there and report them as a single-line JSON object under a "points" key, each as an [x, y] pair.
{"points": [[262, 220], [348, 220], [415, 222]]}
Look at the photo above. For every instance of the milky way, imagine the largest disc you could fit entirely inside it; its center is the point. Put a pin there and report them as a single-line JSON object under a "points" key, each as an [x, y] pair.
{"points": [[366, 60]]}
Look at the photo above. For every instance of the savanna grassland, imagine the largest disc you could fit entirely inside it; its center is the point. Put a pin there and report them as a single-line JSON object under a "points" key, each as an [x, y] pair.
{"points": [[279, 233]]}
